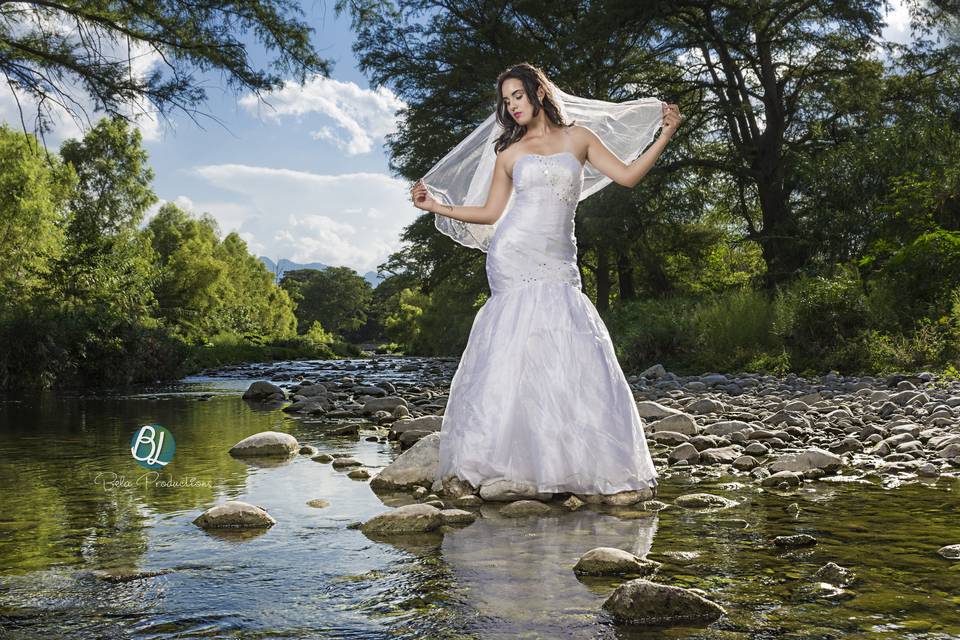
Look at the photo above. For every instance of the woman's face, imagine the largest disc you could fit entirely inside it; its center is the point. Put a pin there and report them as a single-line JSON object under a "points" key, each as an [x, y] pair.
{"points": [[518, 103]]}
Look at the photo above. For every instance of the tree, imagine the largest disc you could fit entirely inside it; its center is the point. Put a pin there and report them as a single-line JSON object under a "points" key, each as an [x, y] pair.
{"points": [[337, 297], [48, 48], [766, 86], [33, 196], [106, 259]]}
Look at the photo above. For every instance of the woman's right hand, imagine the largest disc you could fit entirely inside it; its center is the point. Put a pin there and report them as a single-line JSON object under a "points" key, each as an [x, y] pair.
{"points": [[421, 198]]}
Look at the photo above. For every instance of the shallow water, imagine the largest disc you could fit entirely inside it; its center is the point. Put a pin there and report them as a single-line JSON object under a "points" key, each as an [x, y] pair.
{"points": [[310, 576]]}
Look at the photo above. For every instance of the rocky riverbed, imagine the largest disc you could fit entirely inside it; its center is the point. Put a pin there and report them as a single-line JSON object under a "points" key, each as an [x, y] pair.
{"points": [[316, 493], [776, 433]]}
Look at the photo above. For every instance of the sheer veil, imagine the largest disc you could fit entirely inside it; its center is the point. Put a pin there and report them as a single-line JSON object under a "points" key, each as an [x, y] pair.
{"points": [[463, 176]]}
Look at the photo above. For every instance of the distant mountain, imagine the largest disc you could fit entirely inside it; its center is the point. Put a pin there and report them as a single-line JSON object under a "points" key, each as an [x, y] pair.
{"points": [[278, 269]]}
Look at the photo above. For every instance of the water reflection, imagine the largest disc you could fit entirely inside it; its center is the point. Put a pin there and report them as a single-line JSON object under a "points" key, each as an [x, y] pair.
{"points": [[527, 584]]}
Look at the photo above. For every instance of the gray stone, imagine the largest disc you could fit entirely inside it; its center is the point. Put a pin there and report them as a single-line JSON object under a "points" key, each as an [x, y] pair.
{"points": [[234, 514], [678, 423], [609, 561], [410, 518], [416, 465], [798, 540], [457, 516], [812, 458], [703, 501], [522, 508], [642, 601], [950, 552], [262, 390], [501, 490], [726, 427], [654, 410], [266, 443], [720, 455]]}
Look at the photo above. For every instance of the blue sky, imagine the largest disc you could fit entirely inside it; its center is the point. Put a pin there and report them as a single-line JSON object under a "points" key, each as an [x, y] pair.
{"points": [[309, 181]]}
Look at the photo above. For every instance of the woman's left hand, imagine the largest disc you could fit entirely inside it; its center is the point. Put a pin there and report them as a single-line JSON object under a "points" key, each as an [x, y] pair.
{"points": [[671, 118]]}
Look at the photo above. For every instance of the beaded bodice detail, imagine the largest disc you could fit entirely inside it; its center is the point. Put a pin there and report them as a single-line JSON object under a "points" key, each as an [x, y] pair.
{"points": [[535, 242]]}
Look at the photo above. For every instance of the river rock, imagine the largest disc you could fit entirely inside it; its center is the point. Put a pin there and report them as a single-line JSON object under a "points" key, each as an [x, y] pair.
{"points": [[468, 501], [454, 487], [234, 514], [266, 443], [654, 410], [704, 501], [726, 427], [620, 499], [642, 601], [685, 452], [671, 438], [416, 465], [522, 508], [502, 490], [705, 405], [457, 516], [429, 424], [812, 458], [410, 518], [950, 552], [388, 403], [719, 455], [610, 561], [835, 574], [792, 479], [798, 540], [346, 463], [677, 422], [264, 391]]}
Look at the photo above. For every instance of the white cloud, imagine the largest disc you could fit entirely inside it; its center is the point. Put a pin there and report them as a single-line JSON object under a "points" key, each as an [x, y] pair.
{"points": [[352, 219], [360, 116], [898, 23], [142, 58]]}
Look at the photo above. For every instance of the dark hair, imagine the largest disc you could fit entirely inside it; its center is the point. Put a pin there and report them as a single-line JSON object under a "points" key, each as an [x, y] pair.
{"points": [[532, 78]]}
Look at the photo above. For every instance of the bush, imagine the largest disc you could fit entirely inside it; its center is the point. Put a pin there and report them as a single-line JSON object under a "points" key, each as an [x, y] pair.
{"points": [[918, 280], [733, 329], [646, 332], [815, 315]]}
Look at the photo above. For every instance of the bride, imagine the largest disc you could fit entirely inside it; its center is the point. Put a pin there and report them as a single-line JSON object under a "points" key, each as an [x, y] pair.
{"points": [[539, 403]]}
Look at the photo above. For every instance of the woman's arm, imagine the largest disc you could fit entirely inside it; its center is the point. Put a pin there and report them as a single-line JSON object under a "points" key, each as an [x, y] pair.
{"points": [[490, 212], [629, 175]]}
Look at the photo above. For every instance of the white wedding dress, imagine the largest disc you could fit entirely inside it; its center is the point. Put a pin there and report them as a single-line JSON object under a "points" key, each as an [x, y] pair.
{"points": [[539, 397]]}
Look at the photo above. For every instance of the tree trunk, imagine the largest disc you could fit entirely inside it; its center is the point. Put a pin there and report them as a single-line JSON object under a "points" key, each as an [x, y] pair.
{"points": [[603, 279], [625, 276]]}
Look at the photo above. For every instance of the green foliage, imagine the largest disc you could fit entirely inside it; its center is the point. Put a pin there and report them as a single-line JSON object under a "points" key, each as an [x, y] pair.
{"points": [[88, 298], [33, 194], [817, 313], [402, 323], [207, 286], [733, 328], [49, 63], [50, 343], [337, 297], [917, 281]]}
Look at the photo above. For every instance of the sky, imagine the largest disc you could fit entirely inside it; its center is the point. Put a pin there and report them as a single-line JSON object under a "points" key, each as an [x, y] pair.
{"points": [[306, 180]]}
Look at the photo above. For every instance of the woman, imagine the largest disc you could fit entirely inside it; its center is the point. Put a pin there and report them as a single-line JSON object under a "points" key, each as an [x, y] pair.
{"points": [[539, 403]]}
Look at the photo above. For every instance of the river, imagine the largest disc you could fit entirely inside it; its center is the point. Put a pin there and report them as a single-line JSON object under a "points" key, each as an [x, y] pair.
{"points": [[92, 546]]}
